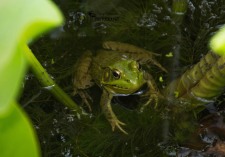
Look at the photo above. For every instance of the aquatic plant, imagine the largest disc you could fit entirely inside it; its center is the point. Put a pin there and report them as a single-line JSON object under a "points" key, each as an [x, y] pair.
{"points": [[21, 22]]}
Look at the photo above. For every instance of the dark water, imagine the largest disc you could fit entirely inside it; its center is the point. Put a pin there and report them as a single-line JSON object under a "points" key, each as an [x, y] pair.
{"points": [[170, 129]]}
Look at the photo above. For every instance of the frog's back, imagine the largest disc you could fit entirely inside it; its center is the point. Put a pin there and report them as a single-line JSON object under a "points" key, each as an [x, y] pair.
{"points": [[105, 58]]}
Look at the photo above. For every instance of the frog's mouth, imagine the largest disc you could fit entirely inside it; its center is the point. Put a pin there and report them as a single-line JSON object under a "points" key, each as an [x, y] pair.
{"points": [[118, 90], [125, 91]]}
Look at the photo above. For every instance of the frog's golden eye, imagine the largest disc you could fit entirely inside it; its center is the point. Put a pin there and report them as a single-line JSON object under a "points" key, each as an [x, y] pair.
{"points": [[116, 74]]}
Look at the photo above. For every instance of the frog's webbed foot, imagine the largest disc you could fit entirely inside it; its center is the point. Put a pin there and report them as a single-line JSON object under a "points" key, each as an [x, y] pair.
{"points": [[152, 61], [115, 123], [109, 114], [153, 97], [86, 98]]}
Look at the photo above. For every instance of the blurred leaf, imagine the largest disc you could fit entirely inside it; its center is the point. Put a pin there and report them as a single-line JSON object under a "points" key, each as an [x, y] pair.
{"points": [[17, 138], [21, 21], [217, 42]]}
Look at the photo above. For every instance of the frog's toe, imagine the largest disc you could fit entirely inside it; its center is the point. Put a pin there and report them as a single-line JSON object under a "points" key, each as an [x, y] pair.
{"points": [[86, 102], [86, 99], [115, 123], [156, 100], [153, 98]]}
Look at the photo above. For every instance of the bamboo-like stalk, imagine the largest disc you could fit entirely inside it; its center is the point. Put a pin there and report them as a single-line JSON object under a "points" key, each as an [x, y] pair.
{"points": [[48, 83], [202, 82]]}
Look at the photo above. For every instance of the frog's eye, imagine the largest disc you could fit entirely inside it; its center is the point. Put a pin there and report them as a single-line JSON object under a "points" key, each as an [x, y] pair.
{"points": [[116, 74]]}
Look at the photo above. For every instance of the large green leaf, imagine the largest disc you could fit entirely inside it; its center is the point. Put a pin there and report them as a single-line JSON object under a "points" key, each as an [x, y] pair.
{"points": [[21, 21], [17, 137]]}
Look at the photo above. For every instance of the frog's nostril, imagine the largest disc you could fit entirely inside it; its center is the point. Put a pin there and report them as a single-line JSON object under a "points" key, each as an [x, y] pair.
{"points": [[128, 80]]}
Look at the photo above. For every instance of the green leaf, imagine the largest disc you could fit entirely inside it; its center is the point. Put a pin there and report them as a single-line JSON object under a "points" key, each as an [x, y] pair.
{"points": [[21, 21], [217, 43], [12, 72], [17, 138]]}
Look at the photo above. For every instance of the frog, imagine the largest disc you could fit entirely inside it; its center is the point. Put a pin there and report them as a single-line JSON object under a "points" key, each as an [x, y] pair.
{"points": [[116, 69]]}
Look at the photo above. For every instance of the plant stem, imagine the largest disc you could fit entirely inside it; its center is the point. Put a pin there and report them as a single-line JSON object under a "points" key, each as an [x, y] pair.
{"points": [[48, 83]]}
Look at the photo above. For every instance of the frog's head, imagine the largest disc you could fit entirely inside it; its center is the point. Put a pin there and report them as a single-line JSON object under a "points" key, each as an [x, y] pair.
{"points": [[123, 77]]}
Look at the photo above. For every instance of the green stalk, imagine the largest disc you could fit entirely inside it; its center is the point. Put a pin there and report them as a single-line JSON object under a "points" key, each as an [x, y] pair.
{"points": [[47, 82]]}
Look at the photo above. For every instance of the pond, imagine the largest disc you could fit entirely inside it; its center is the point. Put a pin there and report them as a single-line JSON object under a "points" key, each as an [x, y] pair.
{"points": [[178, 31]]}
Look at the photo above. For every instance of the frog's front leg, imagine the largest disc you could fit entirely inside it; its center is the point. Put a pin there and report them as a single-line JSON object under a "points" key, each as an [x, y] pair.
{"points": [[107, 110], [153, 94]]}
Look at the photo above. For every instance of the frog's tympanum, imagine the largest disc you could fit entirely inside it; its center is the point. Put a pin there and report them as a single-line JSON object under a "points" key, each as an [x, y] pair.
{"points": [[115, 69]]}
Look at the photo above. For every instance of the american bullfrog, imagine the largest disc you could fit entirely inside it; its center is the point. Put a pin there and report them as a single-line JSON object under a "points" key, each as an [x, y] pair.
{"points": [[117, 70]]}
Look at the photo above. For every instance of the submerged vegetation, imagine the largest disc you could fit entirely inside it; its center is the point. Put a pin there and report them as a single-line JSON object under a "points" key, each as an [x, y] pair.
{"points": [[169, 129]]}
